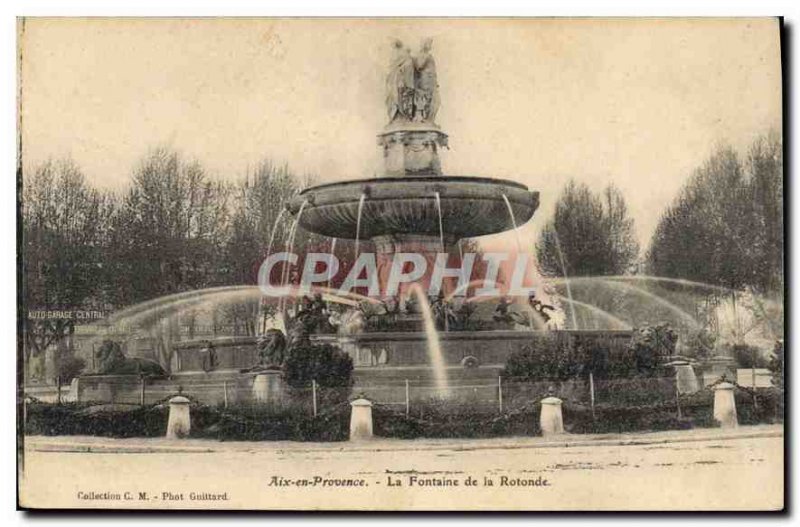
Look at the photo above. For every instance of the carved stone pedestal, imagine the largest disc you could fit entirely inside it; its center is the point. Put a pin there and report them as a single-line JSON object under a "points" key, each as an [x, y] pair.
{"points": [[412, 149], [268, 387]]}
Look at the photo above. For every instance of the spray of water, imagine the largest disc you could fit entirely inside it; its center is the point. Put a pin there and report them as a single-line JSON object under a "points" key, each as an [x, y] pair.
{"points": [[275, 230], [435, 355], [621, 324], [513, 222], [160, 308], [358, 224], [461, 259], [332, 255], [563, 263], [289, 249], [439, 209], [683, 315]]}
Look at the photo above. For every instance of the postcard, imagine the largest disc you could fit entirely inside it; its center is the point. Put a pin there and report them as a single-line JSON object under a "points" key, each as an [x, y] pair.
{"points": [[401, 264]]}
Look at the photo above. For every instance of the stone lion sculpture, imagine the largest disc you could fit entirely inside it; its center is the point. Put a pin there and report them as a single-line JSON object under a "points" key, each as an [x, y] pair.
{"points": [[112, 361]]}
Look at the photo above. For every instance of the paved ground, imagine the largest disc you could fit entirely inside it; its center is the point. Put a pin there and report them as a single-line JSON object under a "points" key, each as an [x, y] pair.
{"points": [[701, 469]]}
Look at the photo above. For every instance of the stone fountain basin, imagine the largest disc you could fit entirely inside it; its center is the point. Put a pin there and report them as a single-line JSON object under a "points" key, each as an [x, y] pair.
{"points": [[471, 206]]}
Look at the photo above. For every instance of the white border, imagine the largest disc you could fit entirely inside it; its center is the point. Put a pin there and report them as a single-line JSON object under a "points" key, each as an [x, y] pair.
{"points": [[11, 9]]}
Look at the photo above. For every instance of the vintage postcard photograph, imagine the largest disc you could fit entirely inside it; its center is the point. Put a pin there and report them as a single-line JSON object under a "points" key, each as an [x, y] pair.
{"points": [[401, 264]]}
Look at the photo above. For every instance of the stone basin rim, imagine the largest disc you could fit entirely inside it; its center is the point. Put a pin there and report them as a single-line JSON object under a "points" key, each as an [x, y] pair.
{"points": [[227, 341], [431, 178]]}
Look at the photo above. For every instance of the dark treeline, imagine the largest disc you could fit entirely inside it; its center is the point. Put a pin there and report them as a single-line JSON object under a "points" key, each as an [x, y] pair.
{"points": [[589, 235], [173, 228], [176, 228], [723, 229], [726, 226]]}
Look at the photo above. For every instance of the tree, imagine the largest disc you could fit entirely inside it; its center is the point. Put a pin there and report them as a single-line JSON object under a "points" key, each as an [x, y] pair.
{"points": [[174, 229], [166, 236], [64, 231], [765, 167], [259, 205], [726, 226], [169, 228], [619, 233], [703, 235], [589, 235]]}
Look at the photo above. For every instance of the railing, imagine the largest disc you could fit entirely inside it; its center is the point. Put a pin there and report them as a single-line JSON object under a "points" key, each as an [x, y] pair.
{"points": [[500, 395]]}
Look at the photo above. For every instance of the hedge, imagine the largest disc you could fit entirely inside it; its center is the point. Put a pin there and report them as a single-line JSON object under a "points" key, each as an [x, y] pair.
{"points": [[431, 419]]}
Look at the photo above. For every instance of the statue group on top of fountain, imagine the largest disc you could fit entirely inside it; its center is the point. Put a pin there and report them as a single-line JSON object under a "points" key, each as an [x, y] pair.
{"points": [[312, 317], [448, 315], [412, 88], [505, 316]]}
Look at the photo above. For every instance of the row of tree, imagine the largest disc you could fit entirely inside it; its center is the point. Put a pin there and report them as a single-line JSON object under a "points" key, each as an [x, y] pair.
{"points": [[174, 228], [725, 228]]}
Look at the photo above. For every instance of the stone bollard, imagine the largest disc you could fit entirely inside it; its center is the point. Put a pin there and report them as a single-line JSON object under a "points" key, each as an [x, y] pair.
{"points": [[268, 387], [550, 420], [725, 405], [179, 422], [75, 390], [360, 420], [685, 378]]}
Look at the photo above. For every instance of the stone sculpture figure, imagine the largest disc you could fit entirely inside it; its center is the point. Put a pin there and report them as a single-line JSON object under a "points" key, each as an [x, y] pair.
{"points": [[426, 85], [502, 313], [271, 350], [412, 87], [208, 357], [300, 329], [400, 83], [540, 308]]}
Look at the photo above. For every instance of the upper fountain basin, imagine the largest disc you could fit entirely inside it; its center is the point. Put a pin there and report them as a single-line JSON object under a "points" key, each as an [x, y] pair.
{"points": [[470, 206]]}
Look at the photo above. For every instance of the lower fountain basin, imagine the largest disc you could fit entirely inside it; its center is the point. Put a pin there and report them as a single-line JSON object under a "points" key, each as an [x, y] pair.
{"points": [[471, 206], [396, 349]]}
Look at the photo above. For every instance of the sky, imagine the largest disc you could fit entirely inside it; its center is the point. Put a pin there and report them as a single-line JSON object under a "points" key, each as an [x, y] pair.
{"points": [[638, 103]]}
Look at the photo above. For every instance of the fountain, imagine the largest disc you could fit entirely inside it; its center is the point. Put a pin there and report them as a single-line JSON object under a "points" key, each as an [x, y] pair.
{"points": [[411, 207]]}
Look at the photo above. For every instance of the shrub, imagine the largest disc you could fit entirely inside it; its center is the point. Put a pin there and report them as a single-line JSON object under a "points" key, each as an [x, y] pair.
{"points": [[554, 358], [324, 363], [442, 419], [748, 356], [240, 422], [429, 419], [759, 406], [561, 357], [102, 420], [249, 422], [776, 365], [69, 368]]}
